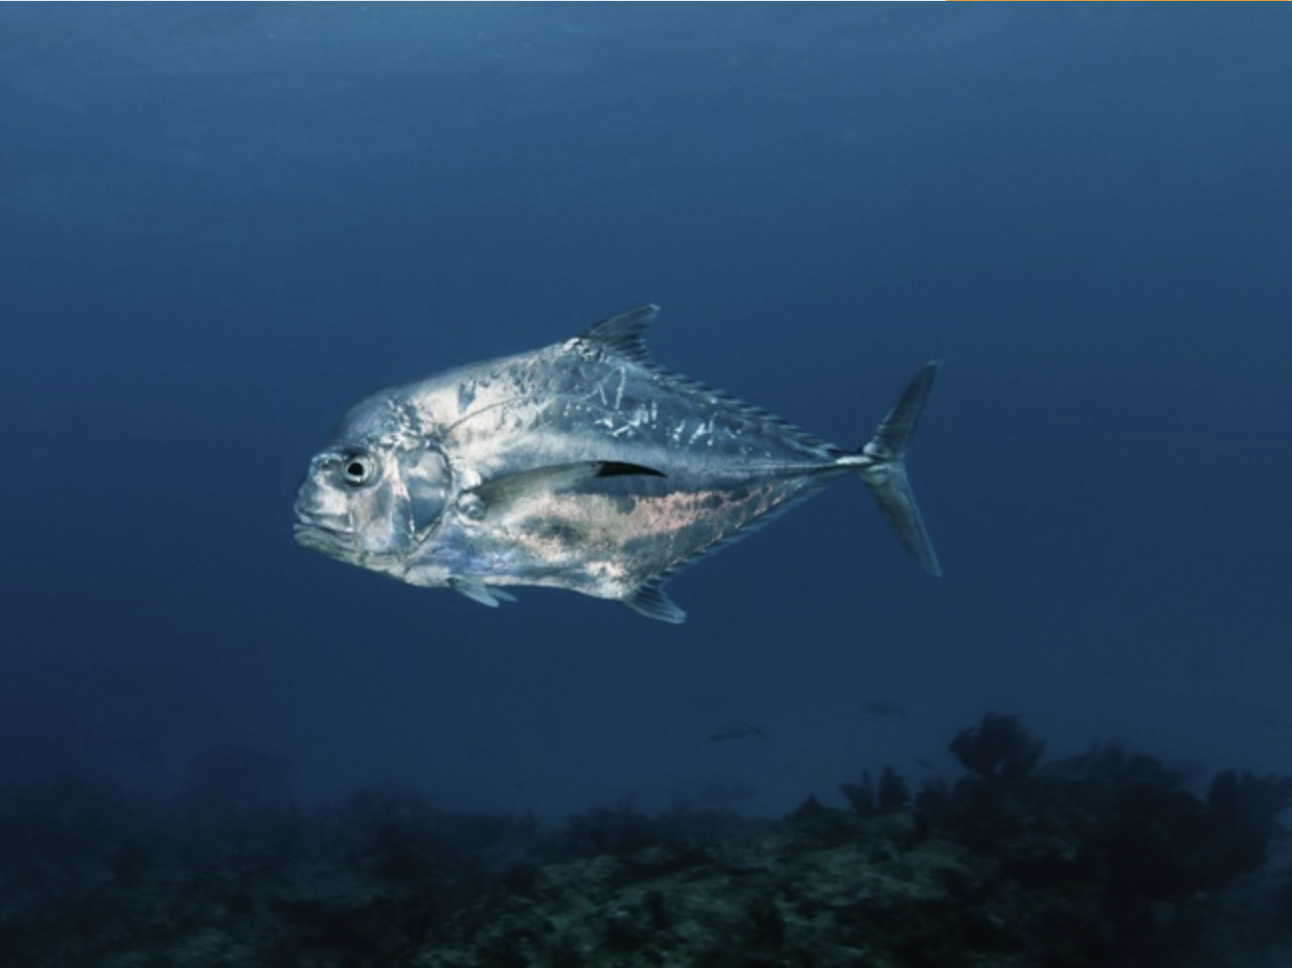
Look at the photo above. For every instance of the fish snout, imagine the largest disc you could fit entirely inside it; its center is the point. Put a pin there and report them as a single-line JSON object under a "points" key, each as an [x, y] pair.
{"points": [[322, 521]]}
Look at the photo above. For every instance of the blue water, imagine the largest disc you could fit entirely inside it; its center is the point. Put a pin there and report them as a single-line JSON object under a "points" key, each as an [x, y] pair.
{"points": [[221, 225]]}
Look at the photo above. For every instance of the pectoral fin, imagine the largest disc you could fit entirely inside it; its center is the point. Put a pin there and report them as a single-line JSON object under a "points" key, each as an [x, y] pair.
{"points": [[555, 478]]}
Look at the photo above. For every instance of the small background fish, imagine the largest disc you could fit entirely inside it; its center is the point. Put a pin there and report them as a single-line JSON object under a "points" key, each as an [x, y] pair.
{"points": [[736, 731]]}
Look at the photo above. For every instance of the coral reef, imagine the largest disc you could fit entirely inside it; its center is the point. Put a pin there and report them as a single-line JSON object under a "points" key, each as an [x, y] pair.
{"points": [[998, 749], [868, 799], [1102, 858]]}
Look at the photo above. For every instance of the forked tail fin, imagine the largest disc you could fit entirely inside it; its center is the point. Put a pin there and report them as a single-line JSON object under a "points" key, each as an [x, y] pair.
{"points": [[882, 463]]}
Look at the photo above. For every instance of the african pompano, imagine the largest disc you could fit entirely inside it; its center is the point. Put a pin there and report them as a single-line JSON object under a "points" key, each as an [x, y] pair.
{"points": [[581, 465]]}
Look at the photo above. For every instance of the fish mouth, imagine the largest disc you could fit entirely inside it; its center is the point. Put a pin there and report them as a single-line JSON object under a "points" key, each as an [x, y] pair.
{"points": [[323, 535]]}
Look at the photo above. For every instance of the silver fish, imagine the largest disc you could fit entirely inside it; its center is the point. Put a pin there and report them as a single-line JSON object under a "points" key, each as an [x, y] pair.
{"points": [[581, 465]]}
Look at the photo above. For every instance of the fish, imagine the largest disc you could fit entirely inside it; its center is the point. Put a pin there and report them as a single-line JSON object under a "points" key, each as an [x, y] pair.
{"points": [[735, 731], [582, 465]]}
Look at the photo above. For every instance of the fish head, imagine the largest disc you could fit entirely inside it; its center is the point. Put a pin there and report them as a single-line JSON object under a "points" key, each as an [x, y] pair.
{"points": [[376, 492]]}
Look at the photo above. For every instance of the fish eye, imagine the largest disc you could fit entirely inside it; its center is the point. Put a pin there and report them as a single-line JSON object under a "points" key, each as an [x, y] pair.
{"points": [[358, 469]]}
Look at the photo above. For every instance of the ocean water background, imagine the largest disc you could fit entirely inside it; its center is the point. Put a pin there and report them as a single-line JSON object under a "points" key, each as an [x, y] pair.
{"points": [[222, 224]]}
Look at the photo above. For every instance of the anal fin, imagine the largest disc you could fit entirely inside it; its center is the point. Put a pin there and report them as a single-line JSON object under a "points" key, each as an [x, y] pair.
{"points": [[650, 599]]}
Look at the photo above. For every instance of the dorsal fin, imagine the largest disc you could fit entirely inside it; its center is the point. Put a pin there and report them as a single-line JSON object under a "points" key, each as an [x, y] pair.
{"points": [[622, 334]]}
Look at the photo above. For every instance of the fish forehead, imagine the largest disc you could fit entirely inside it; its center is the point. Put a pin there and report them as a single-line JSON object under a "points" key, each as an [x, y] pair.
{"points": [[375, 418], [556, 404]]}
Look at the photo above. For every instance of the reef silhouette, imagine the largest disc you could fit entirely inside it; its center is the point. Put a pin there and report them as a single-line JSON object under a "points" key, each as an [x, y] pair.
{"points": [[1102, 858]]}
